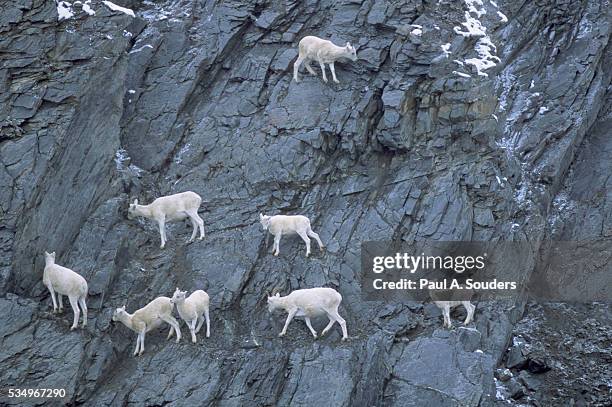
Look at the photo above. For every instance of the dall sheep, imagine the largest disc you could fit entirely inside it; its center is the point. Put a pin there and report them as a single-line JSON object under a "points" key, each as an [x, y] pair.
{"points": [[310, 302], [63, 281], [169, 209], [446, 299], [312, 48], [193, 308], [445, 307], [279, 225], [147, 318]]}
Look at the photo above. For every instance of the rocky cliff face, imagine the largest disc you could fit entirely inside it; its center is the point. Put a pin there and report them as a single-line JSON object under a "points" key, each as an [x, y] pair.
{"points": [[472, 120]]}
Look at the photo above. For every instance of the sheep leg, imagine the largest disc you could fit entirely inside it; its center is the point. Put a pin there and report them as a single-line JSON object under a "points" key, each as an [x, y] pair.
{"points": [[142, 337], [192, 326], [195, 230], [305, 238], [193, 214], [84, 309], [276, 247], [309, 325], [206, 315], [170, 333], [333, 71], [296, 67], [162, 231], [75, 309], [52, 291], [289, 318], [309, 68], [470, 312], [446, 314], [342, 323], [328, 327], [323, 70], [173, 323], [60, 302], [316, 237], [137, 345]]}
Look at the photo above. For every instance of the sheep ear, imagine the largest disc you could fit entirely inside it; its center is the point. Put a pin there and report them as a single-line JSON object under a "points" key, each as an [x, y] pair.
{"points": [[135, 201], [47, 254], [261, 216], [277, 295]]}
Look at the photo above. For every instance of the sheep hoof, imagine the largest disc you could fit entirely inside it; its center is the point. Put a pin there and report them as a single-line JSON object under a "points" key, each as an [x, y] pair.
{"points": [[194, 341], [276, 254], [281, 334], [315, 336], [344, 338], [72, 328], [336, 80], [201, 237]]}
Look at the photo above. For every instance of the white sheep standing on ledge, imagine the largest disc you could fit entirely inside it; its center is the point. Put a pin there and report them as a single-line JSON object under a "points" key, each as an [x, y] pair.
{"points": [[279, 225], [193, 309], [310, 302], [169, 209], [324, 52], [147, 318], [63, 281], [445, 307]]}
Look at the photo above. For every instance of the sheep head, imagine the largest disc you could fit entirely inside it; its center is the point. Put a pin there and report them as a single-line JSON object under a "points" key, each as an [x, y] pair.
{"points": [[132, 211], [50, 257], [350, 52], [265, 221], [274, 302], [178, 297], [119, 312]]}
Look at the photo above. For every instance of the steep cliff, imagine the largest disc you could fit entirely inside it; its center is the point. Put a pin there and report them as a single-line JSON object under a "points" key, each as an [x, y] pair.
{"points": [[460, 121]]}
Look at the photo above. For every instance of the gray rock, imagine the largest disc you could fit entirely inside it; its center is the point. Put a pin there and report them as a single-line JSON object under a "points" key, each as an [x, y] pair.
{"points": [[98, 110]]}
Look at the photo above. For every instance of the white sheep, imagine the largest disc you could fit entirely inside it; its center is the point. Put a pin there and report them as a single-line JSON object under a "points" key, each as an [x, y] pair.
{"points": [[310, 302], [169, 209], [279, 225], [147, 318], [324, 52], [63, 281], [193, 308], [445, 307]]}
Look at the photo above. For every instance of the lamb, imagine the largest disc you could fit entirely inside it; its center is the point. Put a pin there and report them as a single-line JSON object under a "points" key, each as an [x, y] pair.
{"points": [[147, 318], [279, 225], [446, 306], [445, 299], [169, 209], [323, 51], [63, 281], [192, 309], [310, 303]]}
